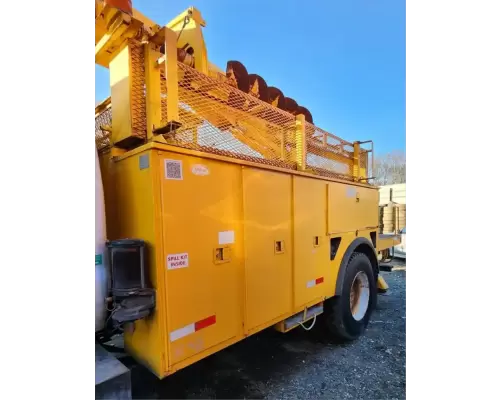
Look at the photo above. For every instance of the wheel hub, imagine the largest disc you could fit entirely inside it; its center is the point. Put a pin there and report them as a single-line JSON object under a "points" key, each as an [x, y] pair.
{"points": [[359, 296]]}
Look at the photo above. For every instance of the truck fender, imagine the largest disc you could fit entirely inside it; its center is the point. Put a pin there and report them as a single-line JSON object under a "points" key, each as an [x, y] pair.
{"points": [[360, 245]]}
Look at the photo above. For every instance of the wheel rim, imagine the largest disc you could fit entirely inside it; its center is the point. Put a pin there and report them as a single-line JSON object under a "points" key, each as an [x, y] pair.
{"points": [[360, 295]]}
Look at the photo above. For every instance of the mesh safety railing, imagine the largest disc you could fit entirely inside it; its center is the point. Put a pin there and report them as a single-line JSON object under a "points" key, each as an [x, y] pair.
{"points": [[327, 154], [218, 118], [102, 122], [364, 163]]}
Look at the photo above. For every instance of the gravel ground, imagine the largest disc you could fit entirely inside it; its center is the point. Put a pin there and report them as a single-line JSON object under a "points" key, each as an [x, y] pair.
{"points": [[300, 364]]}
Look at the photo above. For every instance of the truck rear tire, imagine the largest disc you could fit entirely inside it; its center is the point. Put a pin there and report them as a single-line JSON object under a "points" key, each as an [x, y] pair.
{"points": [[347, 315]]}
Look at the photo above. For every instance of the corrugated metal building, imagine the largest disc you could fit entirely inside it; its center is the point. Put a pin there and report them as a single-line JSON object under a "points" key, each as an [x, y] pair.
{"points": [[395, 193]]}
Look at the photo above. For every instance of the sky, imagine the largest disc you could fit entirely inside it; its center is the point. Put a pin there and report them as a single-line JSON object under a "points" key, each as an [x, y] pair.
{"points": [[344, 60]]}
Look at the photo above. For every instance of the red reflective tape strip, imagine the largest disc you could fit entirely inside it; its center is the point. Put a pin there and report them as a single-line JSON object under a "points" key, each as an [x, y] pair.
{"points": [[319, 280], [204, 323]]}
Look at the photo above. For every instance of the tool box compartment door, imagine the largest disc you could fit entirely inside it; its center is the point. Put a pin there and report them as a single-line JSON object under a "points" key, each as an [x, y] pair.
{"points": [[313, 276], [268, 246], [351, 208], [200, 214]]}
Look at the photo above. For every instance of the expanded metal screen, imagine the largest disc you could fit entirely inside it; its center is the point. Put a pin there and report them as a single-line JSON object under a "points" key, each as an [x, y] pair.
{"points": [[327, 154], [218, 118], [138, 83], [103, 120]]}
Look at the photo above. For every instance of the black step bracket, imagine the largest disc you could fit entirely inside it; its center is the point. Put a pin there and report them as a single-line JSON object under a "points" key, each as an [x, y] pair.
{"points": [[169, 128]]}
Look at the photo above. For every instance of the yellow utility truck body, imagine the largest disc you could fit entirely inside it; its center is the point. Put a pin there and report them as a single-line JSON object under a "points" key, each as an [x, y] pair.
{"points": [[238, 245], [252, 216]]}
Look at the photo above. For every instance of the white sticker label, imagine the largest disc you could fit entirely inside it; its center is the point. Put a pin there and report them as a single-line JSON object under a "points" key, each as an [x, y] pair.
{"points": [[176, 261], [226, 237], [351, 192], [173, 170], [200, 170]]}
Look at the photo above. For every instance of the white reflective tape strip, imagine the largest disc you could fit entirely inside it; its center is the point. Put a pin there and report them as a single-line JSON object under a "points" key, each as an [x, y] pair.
{"points": [[182, 332], [311, 283]]}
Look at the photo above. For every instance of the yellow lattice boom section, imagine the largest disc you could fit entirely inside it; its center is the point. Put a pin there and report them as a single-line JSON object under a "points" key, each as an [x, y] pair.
{"points": [[218, 118]]}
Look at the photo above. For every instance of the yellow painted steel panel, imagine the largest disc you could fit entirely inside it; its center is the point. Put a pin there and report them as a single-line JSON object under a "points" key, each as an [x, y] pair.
{"points": [[120, 81], [133, 214], [107, 172], [367, 208], [201, 209], [351, 208], [268, 270], [201, 213], [312, 274]]}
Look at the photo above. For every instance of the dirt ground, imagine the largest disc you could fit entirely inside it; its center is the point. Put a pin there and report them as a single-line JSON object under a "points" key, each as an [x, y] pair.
{"points": [[300, 364]]}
